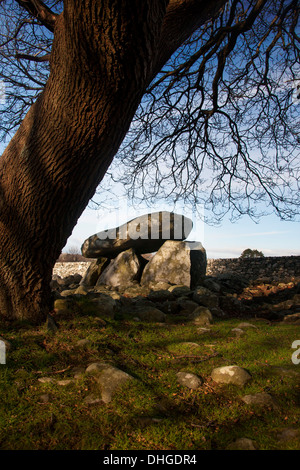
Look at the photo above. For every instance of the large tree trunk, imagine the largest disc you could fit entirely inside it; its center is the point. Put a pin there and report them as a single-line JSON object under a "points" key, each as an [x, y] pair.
{"points": [[103, 56]]}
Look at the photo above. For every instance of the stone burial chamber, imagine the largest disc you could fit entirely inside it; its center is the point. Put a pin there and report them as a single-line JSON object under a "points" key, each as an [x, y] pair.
{"points": [[118, 253]]}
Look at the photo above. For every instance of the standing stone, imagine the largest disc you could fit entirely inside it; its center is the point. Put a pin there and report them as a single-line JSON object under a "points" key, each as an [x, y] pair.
{"points": [[122, 270], [176, 262], [146, 234], [94, 271]]}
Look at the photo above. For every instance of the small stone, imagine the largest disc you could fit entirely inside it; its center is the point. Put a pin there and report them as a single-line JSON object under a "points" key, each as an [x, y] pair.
{"points": [[65, 307], [201, 316], [65, 382], [170, 307], [247, 325], [204, 296], [293, 318], [100, 322], [259, 399], [282, 371], [81, 290], [242, 444], [238, 331], [212, 285], [46, 380], [160, 296], [231, 375], [90, 400], [109, 378], [83, 343], [104, 306], [203, 330], [189, 380], [136, 291], [187, 305], [289, 434], [67, 292], [78, 372], [150, 314], [179, 290], [159, 285]]}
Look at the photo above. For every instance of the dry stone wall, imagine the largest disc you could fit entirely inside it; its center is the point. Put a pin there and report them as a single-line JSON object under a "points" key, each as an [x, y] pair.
{"points": [[69, 268], [277, 268], [274, 268]]}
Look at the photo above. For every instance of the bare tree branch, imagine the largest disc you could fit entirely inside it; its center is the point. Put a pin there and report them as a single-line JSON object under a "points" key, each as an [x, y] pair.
{"points": [[39, 10], [218, 125], [44, 58]]}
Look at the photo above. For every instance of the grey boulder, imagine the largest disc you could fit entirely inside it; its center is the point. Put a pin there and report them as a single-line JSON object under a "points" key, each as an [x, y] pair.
{"points": [[122, 270], [176, 262], [146, 234]]}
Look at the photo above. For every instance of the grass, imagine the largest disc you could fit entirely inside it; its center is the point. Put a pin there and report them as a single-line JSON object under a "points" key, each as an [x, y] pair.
{"points": [[153, 412]]}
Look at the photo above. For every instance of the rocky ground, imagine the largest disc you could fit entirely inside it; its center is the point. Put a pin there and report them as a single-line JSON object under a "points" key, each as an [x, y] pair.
{"points": [[223, 295], [219, 297]]}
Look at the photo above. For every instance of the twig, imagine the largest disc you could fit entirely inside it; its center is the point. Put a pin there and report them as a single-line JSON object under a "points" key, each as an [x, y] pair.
{"points": [[56, 372]]}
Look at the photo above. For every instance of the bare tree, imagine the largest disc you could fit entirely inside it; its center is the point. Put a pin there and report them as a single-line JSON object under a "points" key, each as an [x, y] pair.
{"points": [[74, 253], [219, 125], [168, 67]]}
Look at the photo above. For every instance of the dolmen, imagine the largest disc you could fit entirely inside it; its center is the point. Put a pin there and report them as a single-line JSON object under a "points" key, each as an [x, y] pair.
{"points": [[118, 259]]}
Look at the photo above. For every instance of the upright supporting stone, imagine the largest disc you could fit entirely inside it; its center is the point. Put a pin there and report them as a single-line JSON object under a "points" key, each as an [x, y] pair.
{"points": [[177, 262], [94, 271], [122, 270]]}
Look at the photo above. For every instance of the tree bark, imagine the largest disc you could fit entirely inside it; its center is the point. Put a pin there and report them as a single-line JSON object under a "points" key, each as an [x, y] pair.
{"points": [[102, 59]]}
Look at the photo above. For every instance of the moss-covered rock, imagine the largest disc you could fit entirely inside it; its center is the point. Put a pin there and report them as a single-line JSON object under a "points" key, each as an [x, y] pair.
{"points": [[201, 316]]}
